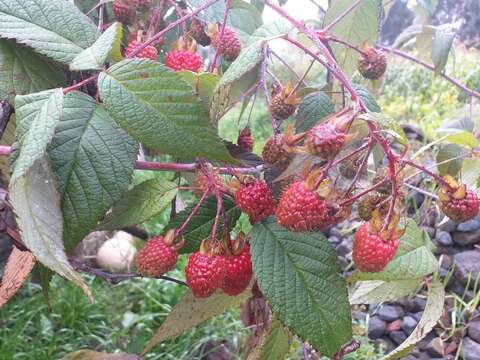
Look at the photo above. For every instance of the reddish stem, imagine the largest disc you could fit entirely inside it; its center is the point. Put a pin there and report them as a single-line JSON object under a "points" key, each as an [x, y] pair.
{"points": [[80, 84], [263, 81], [194, 211], [228, 4], [5, 150], [437, 177], [364, 192]]}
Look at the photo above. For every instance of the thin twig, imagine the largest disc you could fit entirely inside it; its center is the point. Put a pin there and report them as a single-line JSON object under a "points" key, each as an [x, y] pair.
{"points": [[228, 4], [341, 16]]}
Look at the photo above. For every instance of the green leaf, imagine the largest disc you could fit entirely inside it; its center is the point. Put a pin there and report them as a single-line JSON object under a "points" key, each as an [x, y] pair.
{"points": [[377, 291], [273, 344], [56, 29], [190, 312], [242, 74], [471, 172], [37, 118], [36, 203], [24, 72], [413, 260], [93, 160], [106, 47], [432, 313], [314, 108], [442, 43], [447, 166], [141, 203], [388, 125], [203, 83], [159, 109], [463, 138], [95, 355], [361, 24], [367, 98], [201, 225], [300, 277]]}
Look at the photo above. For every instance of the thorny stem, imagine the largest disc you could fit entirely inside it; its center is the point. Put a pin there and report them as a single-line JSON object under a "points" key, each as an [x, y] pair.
{"points": [[304, 83], [5, 150], [158, 35], [113, 278], [437, 177], [101, 11], [417, 189], [80, 84], [361, 167], [364, 192], [343, 42], [430, 67], [228, 4]]}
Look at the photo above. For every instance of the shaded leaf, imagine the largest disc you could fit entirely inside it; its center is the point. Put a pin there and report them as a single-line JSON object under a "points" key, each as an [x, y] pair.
{"points": [[8, 138], [37, 118], [56, 29], [190, 312], [377, 291], [445, 165], [93, 159], [141, 203], [24, 72], [299, 275], [36, 203], [361, 24], [203, 83], [312, 110], [159, 109], [463, 138], [388, 125], [19, 265], [201, 225], [274, 343], [367, 98], [471, 172], [442, 43], [413, 260], [432, 313], [106, 47]]}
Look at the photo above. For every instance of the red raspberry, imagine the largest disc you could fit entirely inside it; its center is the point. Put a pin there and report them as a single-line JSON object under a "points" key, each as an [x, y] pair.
{"points": [[301, 209], [184, 60], [123, 11], [256, 200], [325, 141], [461, 205], [245, 140], [239, 272], [230, 44], [149, 52], [371, 252], [156, 257], [372, 64], [205, 273]]}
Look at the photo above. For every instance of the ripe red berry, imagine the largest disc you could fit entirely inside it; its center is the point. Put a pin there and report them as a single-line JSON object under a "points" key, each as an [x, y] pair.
{"points": [[205, 273], [123, 11], [245, 139], [301, 209], [230, 44], [184, 60], [256, 200], [156, 257], [239, 272], [372, 64], [458, 203], [149, 52], [372, 251], [325, 140]]}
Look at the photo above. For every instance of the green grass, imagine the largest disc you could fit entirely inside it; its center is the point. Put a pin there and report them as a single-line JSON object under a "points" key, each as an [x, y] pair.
{"points": [[123, 318]]}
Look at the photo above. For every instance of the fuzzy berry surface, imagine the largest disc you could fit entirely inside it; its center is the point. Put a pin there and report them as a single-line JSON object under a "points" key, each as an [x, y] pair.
{"points": [[255, 198], [179, 60], [205, 273], [238, 272], [142, 4], [372, 64], [229, 45], [274, 153], [149, 52], [156, 258], [245, 139], [301, 209], [280, 109], [370, 252], [123, 11], [325, 141], [461, 210]]}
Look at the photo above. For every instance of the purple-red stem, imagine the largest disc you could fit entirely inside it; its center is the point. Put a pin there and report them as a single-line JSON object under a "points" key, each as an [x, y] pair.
{"points": [[263, 82], [364, 192], [228, 4], [437, 177], [80, 84], [194, 211]]}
